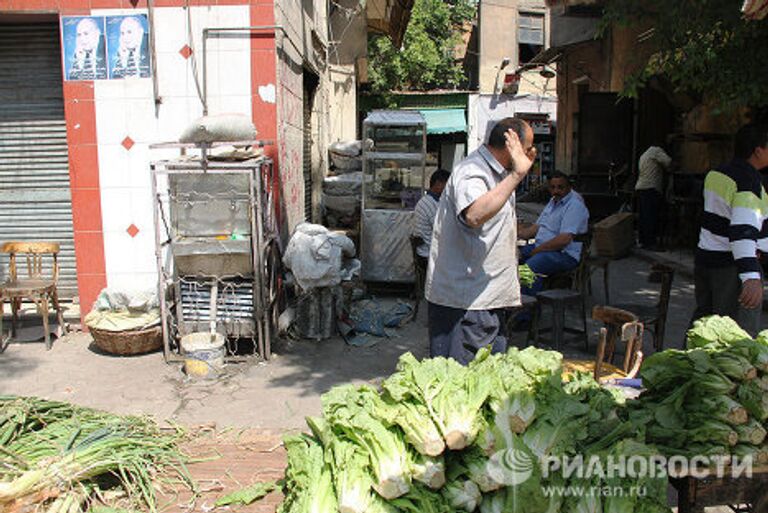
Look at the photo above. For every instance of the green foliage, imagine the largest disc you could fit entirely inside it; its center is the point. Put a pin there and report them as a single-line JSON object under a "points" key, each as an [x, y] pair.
{"points": [[427, 57], [704, 47]]}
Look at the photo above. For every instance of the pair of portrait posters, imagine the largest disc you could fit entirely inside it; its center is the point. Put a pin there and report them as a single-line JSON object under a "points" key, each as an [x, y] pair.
{"points": [[105, 47]]}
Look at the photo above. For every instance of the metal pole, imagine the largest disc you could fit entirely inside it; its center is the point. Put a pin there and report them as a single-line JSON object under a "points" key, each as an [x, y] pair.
{"points": [[159, 261], [153, 55]]}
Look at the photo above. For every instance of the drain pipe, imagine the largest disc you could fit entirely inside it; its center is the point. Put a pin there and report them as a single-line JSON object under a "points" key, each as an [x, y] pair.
{"points": [[153, 55], [216, 30]]}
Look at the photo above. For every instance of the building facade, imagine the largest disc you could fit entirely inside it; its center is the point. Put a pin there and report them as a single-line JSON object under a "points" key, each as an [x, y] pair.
{"points": [[510, 81], [76, 143]]}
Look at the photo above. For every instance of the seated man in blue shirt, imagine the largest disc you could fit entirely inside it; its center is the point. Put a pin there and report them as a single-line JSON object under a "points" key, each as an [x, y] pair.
{"points": [[555, 251]]}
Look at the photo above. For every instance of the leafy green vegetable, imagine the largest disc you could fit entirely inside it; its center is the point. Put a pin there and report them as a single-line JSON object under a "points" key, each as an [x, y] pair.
{"points": [[344, 409], [751, 395], [719, 407], [308, 486], [248, 495], [453, 395], [463, 495], [715, 330], [751, 433], [428, 470], [526, 275]]}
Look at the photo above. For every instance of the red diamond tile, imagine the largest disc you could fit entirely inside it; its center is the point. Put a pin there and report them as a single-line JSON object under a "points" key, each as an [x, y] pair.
{"points": [[127, 143], [132, 230], [185, 51]]}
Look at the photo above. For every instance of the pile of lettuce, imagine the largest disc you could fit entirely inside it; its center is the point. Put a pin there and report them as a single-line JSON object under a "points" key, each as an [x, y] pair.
{"points": [[440, 437], [710, 399]]}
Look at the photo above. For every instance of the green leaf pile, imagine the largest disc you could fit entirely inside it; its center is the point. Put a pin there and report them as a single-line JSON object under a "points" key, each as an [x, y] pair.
{"points": [[711, 398], [438, 437]]}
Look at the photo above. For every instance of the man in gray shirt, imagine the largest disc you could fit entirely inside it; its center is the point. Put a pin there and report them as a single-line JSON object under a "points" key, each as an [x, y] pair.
{"points": [[472, 273]]}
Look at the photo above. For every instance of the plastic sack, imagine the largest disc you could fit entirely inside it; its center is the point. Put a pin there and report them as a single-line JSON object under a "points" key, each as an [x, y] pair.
{"points": [[134, 300], [314, 256], [219, 127]]}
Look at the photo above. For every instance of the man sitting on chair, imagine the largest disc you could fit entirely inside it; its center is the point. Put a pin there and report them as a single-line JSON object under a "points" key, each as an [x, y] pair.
{"points": [[554, 250], [425, 212]]}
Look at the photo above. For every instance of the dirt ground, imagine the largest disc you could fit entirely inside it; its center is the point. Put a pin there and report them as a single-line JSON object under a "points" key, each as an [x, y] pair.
{"points": [[273, 395]]}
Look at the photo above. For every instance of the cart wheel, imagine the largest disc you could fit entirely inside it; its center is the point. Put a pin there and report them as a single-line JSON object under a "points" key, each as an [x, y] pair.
{"points": [[273, 284]]}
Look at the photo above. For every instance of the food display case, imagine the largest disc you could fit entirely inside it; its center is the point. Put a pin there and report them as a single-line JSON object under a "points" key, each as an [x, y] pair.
{"points": [[394, 179]]}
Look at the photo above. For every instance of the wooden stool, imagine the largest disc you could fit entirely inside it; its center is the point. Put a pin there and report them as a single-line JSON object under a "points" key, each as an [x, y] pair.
{"points": [[604, 263], [526, 303], [559, 300]]}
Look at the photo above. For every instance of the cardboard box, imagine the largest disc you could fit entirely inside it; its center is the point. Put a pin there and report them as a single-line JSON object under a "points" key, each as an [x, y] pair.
{"points": [[614, 236]]}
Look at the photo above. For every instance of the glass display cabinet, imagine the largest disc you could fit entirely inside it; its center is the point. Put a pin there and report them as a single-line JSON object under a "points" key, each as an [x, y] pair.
{"points": [[394, 179]]}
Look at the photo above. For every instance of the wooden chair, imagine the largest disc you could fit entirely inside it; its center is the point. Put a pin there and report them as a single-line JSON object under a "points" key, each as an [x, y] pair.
{"points": [[654, 317], [37, 285], [620, 326], [420, 273]]}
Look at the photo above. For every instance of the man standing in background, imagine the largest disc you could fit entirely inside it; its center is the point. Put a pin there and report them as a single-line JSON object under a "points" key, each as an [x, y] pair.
{"points": [[426, 210], [649, 190]]}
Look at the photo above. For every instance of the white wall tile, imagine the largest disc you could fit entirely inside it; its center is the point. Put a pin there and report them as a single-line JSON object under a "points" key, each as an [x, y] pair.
{"points": [[229, 73], [110, 120], [173, 35], [132, 281], [175, 115], [174, 76], [115, 209], [114, 166], [144, 251], [141, 123], [141, 209], [118, 252], [230, 104]]}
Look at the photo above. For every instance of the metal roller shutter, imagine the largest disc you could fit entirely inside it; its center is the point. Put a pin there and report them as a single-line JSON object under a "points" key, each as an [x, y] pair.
{"points": [[35, 198], [307, 163]]}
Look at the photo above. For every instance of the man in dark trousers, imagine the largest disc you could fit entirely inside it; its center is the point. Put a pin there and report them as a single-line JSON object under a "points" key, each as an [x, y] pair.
{"points": [[728, 275], [472, 272]]}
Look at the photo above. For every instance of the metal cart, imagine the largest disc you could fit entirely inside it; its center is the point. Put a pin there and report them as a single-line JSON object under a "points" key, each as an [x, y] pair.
{"points": [[217, 250], [394, 179]]}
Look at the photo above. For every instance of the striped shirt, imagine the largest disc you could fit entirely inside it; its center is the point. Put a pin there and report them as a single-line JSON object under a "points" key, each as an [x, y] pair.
{"points": [[734, 227], [423, 219]]}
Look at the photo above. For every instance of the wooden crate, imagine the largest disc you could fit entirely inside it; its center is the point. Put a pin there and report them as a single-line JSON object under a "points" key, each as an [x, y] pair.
{"points": [[614, 236]]}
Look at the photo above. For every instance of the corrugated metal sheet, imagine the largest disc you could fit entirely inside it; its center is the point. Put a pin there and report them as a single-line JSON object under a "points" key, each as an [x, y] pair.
{"points": [[307, 149], [35, 199]]}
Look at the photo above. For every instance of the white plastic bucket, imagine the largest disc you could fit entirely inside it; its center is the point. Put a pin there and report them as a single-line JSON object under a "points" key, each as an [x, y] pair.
{"points": [[203, 353]]}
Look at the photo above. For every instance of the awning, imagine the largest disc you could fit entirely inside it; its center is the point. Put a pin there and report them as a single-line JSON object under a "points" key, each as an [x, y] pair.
{"points": [[445, 121]]}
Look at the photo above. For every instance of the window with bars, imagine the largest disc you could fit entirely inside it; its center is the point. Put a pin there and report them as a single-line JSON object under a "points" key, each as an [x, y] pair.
{"points": [[530, 36]]}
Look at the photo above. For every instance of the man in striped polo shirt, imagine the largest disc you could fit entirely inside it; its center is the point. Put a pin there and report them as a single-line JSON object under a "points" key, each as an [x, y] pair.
{"points": [[728, 276]]}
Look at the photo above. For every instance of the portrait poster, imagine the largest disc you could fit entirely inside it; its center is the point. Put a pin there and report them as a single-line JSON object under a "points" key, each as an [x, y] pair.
{"points": [[128, 46], [84, 47]]}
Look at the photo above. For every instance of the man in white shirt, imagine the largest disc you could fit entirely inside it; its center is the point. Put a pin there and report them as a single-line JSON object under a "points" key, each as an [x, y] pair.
{"points": [[649, 190], [426, 210], [472, 273]]}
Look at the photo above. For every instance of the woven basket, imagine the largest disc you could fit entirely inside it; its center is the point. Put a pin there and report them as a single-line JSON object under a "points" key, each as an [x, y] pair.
{"points": [[129, 342]]}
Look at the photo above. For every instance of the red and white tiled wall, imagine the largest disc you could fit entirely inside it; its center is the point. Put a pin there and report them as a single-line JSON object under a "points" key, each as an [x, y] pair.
{"points": [[111, 123]]}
